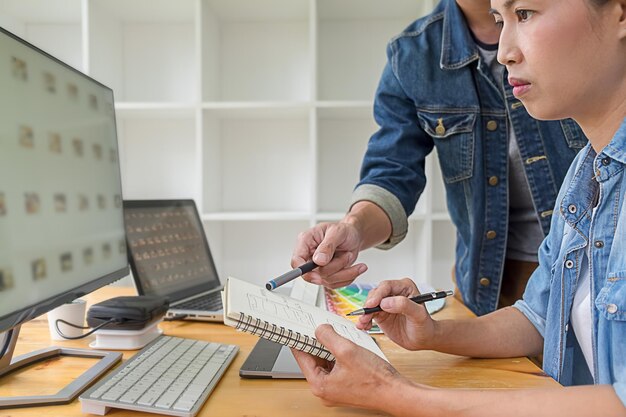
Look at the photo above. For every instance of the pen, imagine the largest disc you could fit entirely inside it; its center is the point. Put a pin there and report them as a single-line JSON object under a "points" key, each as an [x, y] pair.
{"points": [[422, 298], [291, 275]]}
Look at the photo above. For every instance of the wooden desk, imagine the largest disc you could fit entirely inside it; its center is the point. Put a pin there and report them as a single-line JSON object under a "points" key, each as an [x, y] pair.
{"points": [[234, 396]]}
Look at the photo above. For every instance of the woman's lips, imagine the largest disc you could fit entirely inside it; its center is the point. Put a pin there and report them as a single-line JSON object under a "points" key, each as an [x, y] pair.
{"points": [[520, 86]]}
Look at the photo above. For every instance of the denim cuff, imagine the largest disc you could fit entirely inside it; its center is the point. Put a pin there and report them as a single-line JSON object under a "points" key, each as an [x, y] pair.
{"points": [[390, 204], [536, 320]]}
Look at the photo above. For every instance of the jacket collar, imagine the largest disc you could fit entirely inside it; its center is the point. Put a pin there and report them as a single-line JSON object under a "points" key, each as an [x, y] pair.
{"points": [[457, 47]]}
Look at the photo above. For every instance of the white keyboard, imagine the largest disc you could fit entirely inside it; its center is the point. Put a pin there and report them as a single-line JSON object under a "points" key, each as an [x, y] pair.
{"points": [[172, 376]]}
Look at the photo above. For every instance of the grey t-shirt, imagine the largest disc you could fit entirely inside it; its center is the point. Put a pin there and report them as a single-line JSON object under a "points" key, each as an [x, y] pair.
{"points": [[525, 233]]}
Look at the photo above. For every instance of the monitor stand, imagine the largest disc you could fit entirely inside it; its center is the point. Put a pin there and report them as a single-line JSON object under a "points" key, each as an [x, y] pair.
{"points": [[65, 395]]}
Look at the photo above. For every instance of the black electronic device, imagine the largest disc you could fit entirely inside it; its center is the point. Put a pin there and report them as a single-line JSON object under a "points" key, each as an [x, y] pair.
{"points": [[169, 255], [127, 312]]}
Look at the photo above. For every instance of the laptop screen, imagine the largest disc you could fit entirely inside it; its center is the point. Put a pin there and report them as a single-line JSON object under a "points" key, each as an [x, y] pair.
{"points": [[168, 250]]}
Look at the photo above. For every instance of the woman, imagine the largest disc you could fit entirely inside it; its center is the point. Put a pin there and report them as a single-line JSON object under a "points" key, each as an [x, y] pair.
{"points": [[566, 58]]}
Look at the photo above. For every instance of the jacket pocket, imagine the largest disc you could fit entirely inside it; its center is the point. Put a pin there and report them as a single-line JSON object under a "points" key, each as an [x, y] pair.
{"points": [[454, 138], [611, 300], [573, 134]]}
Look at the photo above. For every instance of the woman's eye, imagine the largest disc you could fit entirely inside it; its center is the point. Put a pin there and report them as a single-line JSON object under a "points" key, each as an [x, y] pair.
{"points": [[499, 22], [524, 15]]}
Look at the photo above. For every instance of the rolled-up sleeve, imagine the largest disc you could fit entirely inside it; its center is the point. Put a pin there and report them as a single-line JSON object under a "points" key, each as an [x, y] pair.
{"points": [[390, 204]]}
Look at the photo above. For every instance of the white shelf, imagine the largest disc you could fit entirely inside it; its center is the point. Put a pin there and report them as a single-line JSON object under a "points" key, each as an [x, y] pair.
{"points": [[256, 164], [139, 44], [54, 26], [256, 110], [256, 216], [254, 251], [352, 39], [256, 51], [443, 238], [158, 158], [150, 110], [259, 110], [341, 145]]}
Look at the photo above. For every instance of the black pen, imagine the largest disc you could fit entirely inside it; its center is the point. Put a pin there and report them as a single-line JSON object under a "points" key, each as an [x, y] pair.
{"points": [[291, 275], [422, 298]]}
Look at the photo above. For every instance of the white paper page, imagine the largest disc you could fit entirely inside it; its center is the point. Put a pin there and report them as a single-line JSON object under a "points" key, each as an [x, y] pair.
{"points": [[284, 311]]}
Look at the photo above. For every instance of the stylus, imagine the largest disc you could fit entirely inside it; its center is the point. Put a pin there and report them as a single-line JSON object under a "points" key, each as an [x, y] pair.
{"points": [[291, 275]]}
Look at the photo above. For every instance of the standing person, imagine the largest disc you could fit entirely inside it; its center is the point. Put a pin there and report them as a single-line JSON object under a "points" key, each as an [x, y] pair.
{"points": [[566, 58], [443, 88]]}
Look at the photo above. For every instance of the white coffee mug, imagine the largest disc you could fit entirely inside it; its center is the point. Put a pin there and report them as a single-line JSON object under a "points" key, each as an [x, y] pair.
{"points": [[74, 313]]}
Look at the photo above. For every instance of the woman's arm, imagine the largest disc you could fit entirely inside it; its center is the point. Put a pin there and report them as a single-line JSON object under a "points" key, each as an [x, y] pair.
{"points": [[505, 333], [588, 400], [502, 334], [359, 378]]}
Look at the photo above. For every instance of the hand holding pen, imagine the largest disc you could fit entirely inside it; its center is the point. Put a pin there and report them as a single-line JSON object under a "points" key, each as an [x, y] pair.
{"points": [[334, 247], [420, 299], [405, 322]]}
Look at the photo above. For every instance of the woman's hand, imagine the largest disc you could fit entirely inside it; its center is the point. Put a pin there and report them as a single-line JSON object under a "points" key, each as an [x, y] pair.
{"points": [[403, 321], [357, 378]]}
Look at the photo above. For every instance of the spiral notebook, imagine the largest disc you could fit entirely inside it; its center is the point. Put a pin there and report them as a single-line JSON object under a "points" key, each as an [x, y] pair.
{"points": [[285, 320]]}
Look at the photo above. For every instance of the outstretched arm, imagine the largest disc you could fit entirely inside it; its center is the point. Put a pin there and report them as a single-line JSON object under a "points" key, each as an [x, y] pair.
{"points": [[502, 334], [587, 400], [359, 378]]}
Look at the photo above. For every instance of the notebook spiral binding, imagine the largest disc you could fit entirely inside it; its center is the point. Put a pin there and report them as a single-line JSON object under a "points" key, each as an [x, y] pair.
{"points": [[283, 336]]}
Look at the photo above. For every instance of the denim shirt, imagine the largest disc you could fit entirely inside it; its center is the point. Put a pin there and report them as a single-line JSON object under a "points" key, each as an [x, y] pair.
{"points": [[435, 91], [548, 299]]}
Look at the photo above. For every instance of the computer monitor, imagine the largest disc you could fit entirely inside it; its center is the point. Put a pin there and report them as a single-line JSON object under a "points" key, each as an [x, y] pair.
{"points": [[61, 220]]}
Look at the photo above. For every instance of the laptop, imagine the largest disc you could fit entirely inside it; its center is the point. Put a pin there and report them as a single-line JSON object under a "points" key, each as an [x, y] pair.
{"points": [[272, 360], [169, 256]]}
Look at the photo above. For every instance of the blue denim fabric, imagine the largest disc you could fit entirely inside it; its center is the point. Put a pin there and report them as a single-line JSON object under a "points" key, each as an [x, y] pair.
{"points": [[436, 92], [548, 299]]}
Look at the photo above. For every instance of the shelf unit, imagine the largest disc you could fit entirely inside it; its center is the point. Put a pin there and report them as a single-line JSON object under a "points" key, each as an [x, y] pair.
{"points": [[259, 110]]}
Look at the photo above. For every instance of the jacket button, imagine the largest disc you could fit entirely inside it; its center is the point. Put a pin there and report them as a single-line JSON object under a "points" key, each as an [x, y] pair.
{"points": [[569, 264], [598, 244], [606, 161], [572, 208], [611, 308], [484, 281], [491, 234], [492, 125], [440, 129], [493, 180]]}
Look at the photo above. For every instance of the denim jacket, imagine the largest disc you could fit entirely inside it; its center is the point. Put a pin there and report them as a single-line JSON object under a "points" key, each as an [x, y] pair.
{"points": [[435, 91], [548, 299]]}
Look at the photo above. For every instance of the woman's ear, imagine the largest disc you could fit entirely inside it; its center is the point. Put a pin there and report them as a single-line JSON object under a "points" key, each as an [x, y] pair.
{"points": [[621, 4]]}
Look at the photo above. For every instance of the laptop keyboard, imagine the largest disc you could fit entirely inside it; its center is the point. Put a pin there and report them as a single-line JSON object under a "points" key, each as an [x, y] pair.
{"points": [[209, 302], [172, 376]]}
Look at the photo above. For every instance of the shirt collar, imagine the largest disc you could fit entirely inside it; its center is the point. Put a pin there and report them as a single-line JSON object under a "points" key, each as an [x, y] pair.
{"points": [[580, 196], [457, 47], [616, 149], [578, 200]]}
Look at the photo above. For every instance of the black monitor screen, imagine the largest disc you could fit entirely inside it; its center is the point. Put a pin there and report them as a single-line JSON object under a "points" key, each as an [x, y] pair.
{"points": [[169, 251], [61, 222]]}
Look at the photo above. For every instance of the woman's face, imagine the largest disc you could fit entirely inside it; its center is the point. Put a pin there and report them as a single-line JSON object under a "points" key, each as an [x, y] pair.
{"points": [[560, 55]]}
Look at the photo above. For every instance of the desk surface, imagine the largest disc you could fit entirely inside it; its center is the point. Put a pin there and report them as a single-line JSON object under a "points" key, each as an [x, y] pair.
{"points": [[234, 396]]}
